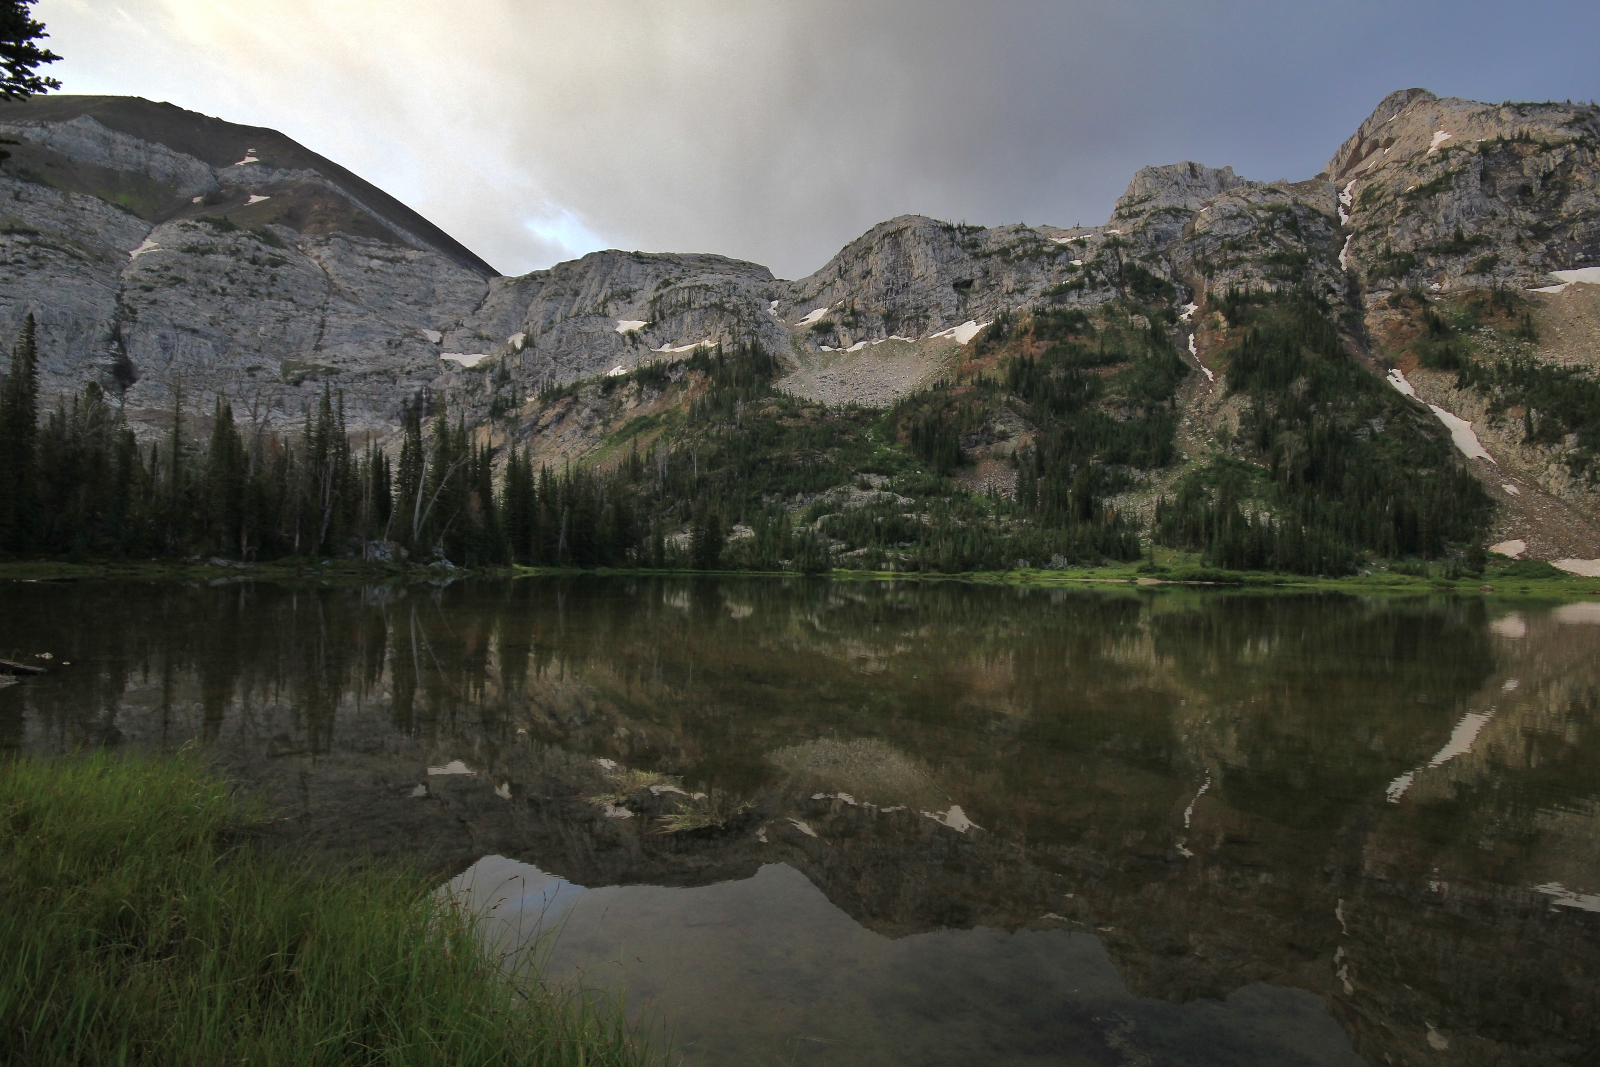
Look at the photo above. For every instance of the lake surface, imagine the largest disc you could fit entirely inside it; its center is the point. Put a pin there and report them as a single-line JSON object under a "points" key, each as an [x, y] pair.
{"points": [[803, 822]]}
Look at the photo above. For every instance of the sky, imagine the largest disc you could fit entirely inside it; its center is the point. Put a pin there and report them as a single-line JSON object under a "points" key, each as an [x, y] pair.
{"points": [[778, 130]]}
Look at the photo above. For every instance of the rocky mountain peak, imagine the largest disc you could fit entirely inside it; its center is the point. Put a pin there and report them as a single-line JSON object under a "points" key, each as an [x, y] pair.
{"points": [[1415, 123], [1188, 186]]}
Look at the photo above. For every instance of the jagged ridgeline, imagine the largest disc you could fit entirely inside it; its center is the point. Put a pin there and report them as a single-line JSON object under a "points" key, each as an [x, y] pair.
{"points": [[239, 348]]}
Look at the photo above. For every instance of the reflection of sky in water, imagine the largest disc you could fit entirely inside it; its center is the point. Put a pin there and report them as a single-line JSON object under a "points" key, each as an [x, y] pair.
{"points": [[766, 969], [1191, 792]]}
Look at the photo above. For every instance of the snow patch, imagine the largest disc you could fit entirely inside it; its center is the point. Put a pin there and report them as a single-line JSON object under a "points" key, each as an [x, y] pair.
{"points": [[1077, 263], [1513, 490], [1461, 737], [1397, 379], [1583, 275], [1551, 288], [197, 200], [1460, 743], [858, 346], [963, 333], [148, 246], [1439, 138], [455, 766], [1584, 568], [803, 828], [616, 372], [1461, 433], [1188, 813], [1586, 611], [1344, 253], [419, 791], [466, 359], [1193, 351], [516, 339], [628, 325], [812, 316], [707, 343], [1513, 626], [256, 198], [955, 818], [1398, 787], [1186, 312], [773, 307], [1566, 898], [433, 336], [249, 157], [607, 764], [1511, 549], [503, 790]]}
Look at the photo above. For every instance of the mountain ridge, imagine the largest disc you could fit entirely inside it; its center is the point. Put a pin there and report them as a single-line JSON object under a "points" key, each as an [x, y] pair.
{"points": [[167, 274]]}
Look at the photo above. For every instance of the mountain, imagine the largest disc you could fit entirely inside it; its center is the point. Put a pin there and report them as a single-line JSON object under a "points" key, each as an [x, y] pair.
{"points": [[1223, 363]]}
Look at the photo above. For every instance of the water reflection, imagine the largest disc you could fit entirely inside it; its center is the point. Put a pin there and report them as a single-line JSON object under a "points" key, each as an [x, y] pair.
{"points": [[1390, 806], [798, 981]]}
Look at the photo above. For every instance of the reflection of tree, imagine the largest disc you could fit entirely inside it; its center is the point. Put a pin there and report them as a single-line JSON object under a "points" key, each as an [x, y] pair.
{"points": [[1075, 728]]}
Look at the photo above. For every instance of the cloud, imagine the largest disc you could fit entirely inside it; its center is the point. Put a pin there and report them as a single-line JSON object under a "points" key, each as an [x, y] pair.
{"points": [[535, 129]]}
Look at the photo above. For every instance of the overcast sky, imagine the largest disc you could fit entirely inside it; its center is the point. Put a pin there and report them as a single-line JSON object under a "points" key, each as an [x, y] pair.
{"points": [[777, 130]]}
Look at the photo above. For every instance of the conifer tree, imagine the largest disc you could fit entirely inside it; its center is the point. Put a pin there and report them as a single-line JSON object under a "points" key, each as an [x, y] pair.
{"points": [[19, 432]]}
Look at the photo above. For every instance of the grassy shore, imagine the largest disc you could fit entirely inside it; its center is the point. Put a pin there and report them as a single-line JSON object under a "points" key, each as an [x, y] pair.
{"points": [[143, 923]]}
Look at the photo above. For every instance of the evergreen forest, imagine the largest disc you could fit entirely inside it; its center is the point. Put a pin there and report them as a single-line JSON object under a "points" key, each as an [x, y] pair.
{"points": [[1330, 467]]}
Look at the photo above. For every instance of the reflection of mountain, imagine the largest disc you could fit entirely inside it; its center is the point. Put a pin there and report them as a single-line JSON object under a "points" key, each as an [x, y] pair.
{"points": [[1076, 729], [766, 969]]}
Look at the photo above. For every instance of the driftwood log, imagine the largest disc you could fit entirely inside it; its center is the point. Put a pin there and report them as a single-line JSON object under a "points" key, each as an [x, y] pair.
{"points": [[8, 667]]}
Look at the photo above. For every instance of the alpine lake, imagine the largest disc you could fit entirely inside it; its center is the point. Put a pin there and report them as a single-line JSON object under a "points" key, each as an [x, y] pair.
{"points": [[823, 822]]}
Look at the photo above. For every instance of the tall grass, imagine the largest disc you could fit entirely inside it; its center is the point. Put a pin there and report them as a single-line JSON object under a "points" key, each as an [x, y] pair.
{"points": [[140, 923]]}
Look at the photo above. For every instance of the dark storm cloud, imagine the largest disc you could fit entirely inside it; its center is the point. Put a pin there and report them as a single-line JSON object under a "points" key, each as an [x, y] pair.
{"points": [[777, 132]]}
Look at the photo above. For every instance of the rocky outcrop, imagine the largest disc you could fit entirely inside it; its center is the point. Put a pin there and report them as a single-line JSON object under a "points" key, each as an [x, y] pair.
{"points": [[913, 276], [267, 279], [161, 250], [1203, 229], [611, 309], [1452, 194]]}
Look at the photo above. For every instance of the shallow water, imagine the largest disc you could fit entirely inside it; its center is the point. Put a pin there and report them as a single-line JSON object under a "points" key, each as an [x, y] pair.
{"points": [[943, 823]]}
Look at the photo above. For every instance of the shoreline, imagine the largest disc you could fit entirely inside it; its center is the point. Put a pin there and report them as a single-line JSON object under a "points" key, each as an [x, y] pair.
{"points": [[152, 919], [1505, 581]]}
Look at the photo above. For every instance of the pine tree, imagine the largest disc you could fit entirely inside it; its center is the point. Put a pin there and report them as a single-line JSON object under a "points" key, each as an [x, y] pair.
{"points": [[19, 435]]}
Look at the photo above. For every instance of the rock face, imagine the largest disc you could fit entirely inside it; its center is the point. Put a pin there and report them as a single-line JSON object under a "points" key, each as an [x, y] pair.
{"points": [[610, 309], [237, 262], [166, 252], [1452, 194]]}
